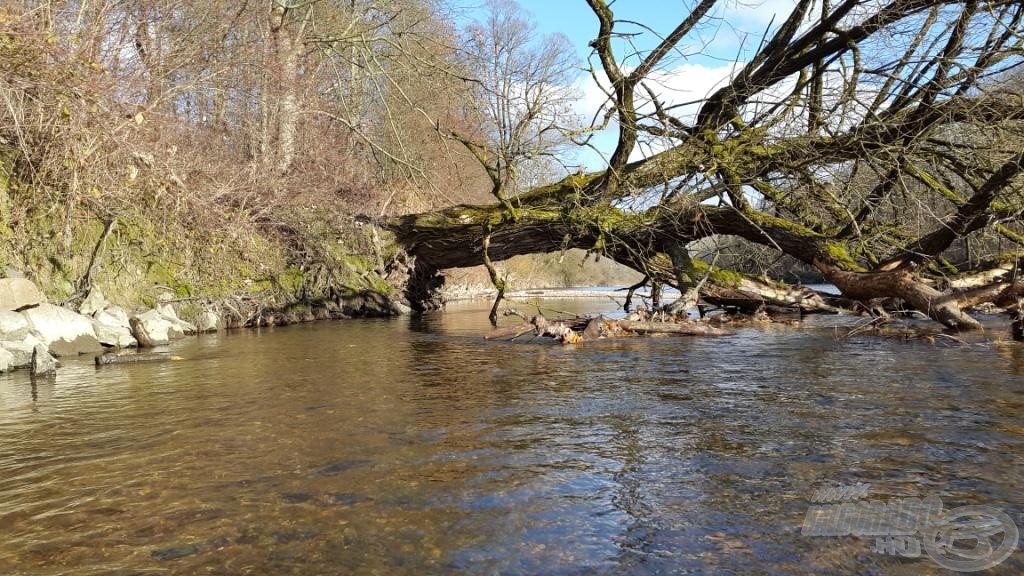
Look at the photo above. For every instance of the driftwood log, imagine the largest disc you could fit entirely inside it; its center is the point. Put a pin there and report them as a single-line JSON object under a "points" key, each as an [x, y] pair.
{"points": [[684, 328], [585, 328], [107, 359]]}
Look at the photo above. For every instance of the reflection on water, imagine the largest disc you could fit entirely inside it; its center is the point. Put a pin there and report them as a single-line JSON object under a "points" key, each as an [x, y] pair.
{"points": [[412, 446]]}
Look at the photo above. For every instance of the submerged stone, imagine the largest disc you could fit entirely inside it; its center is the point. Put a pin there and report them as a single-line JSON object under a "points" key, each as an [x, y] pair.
{"points": [[345, 499], [175, 552], [219, 543], [287, 536], [323, 500], [297, 497], [42, 362]]}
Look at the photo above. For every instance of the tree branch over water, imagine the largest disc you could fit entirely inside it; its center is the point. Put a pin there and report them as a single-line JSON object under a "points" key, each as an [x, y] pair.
{"points": [[911, 150]]}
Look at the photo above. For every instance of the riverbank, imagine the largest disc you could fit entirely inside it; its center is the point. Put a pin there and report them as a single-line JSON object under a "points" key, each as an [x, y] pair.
{"points": [[34, 332]]}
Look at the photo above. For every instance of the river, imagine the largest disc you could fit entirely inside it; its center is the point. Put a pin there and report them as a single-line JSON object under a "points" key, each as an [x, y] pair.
{"points": [[412, 446]]}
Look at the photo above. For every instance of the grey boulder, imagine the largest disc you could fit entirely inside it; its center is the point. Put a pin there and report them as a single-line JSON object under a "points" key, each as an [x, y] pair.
{"points": [[93, 303], [64, 332], [19, 293], [20, 351], [113, 316], [113, 328], [168, 313], [42, 362], [152, 329], [13, 326], [116, 336], [6, 360], [209, 321], [400, 308]]}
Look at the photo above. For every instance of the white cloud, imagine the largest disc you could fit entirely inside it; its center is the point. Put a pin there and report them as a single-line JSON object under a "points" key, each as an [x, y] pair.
{"points": [[754, 16], [683, 88], [734, 30], [685, 85]]}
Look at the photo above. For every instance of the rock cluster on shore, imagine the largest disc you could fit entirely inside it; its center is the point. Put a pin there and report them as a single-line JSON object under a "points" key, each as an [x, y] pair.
{"points": [[34, 331]]}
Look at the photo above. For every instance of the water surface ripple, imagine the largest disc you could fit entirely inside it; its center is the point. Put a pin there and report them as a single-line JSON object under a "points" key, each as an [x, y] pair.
{"points": [[412, 446]]}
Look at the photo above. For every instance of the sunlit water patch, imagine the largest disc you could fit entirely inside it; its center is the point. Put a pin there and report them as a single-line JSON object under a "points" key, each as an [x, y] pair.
{"points": [[413, 446]]}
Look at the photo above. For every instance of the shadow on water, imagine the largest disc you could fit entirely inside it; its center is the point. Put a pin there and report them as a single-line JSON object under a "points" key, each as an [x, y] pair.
{"points": [[413, 446]]}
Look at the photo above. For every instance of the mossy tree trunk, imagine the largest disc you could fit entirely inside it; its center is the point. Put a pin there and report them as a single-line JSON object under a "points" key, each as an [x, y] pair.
{"points": [[552, 218]]}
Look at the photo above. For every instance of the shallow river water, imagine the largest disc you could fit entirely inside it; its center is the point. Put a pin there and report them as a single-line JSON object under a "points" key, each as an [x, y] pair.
{"points": [[412, 446]]}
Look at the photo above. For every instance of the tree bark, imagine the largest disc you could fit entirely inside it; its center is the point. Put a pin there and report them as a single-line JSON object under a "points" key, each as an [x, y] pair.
{"points": [[901, 284], [683, 269], [285, 48], [680, 328]]}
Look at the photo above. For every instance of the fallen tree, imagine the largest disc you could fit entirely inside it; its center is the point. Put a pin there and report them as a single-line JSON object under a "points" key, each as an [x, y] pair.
{"points": [[871, 166]]}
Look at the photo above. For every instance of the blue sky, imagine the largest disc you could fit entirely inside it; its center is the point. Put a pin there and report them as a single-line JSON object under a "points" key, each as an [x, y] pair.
{"points": [[575, 19], [745, 18], [703, 61]]}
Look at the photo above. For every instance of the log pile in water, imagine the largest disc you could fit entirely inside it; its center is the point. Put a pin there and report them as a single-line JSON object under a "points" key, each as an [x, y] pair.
{"points": [[586, 328]]}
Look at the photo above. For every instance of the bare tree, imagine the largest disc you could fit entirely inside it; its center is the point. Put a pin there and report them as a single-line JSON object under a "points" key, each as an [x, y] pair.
{"points": [[523, 95], [222, 119]]}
